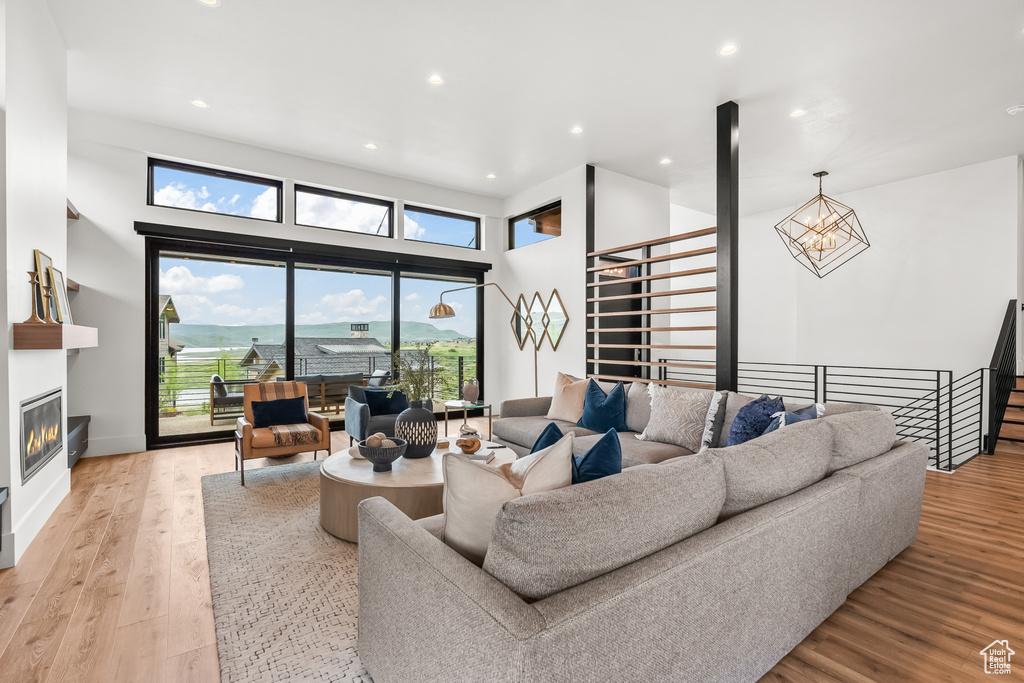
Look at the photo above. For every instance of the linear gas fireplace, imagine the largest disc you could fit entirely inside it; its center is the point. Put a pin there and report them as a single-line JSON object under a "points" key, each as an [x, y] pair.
{"points": [[41, 434]]}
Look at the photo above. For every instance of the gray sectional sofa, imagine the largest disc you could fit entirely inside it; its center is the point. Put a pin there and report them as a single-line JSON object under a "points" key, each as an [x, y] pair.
{"points": [[706, 567]]}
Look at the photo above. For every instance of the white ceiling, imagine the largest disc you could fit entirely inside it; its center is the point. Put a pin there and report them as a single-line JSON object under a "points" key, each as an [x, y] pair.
{"points": [[893, 88]]}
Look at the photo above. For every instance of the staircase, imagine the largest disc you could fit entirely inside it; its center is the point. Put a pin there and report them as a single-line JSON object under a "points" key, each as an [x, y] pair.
{"points": [[1012, 428]]}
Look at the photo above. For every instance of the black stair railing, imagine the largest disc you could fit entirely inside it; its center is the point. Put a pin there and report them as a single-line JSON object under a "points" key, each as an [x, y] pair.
{"points": [[1002, 375]]}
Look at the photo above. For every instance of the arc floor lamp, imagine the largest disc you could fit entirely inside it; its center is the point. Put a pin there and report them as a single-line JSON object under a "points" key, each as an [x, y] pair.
{"points": [[442, 310]]}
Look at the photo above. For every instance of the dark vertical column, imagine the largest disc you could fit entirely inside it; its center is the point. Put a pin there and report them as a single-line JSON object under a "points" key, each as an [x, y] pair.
{"points": [[727, 177], [396, 317], [591, 262], [152, 291], [289, 318], [479, 337]]}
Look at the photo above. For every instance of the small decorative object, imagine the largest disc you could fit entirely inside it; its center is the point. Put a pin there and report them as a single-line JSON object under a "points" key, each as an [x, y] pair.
{"points": [[47, 293], [43, 264], [60, 297], [465, 432], [384, 454], [823, 234], [416, 424], [33, 279], [471, 391], [469, 446], [443, 444]]}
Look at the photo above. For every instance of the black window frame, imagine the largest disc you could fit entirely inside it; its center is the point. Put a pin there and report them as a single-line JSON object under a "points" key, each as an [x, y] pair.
{"points": [[154, 162], [347, 196], [443, 214], [527, 214]]}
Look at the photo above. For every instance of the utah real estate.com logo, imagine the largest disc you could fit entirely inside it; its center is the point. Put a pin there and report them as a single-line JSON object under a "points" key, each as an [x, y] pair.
{"points": [[997, 657]]}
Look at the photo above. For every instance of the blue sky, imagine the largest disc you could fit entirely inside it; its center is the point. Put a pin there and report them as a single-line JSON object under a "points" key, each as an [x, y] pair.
{"points": [[210, 292], [185, 190]]}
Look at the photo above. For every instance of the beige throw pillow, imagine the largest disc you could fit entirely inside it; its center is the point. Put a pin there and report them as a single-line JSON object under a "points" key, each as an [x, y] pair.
{"points": [[567, 398], [474, 492], [677, 416]]}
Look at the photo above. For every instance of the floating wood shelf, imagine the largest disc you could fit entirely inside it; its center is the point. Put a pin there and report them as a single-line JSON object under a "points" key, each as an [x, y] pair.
{"points": [[73, 212], [54, 336], [72, 285]]}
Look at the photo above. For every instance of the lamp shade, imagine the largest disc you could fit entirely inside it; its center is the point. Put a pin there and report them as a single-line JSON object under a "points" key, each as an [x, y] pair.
{"points": [[442, 310]]}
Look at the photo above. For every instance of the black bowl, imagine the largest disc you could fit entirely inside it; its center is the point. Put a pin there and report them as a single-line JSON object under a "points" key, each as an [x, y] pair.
{"points": [[382, 457]]}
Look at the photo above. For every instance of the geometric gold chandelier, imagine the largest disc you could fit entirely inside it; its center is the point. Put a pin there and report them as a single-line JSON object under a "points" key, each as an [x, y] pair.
{"points": [[823, 234]]}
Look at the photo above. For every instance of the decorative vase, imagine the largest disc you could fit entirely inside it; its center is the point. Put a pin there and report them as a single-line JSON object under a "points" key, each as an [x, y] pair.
{"points": [[471, 391], [417, 426]]}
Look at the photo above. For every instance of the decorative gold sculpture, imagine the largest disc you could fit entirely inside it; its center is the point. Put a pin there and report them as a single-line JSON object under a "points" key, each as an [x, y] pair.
{"points": [[46, 305]]}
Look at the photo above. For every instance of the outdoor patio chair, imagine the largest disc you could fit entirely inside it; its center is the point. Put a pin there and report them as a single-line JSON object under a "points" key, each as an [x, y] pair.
{"points": [[227, 402]]}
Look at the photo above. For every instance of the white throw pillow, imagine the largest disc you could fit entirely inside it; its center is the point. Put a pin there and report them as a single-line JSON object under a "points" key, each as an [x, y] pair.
{"points": [[709, 422], [677, 417], [474, 492], [567, 398]]}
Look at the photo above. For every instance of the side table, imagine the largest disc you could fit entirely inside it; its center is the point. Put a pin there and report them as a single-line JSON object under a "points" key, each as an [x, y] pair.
{"points": [[464, 406]]}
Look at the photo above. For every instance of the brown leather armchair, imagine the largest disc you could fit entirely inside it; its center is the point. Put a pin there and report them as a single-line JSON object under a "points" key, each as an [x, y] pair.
{"points": [[268, 442]]}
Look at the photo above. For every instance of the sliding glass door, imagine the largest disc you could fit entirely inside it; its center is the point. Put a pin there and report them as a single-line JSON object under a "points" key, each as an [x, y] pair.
{"points": [[342, 331], [452, 341], [220, 317], [220, 323]]}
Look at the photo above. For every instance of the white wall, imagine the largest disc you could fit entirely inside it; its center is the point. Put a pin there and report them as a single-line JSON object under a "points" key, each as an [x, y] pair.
{"points": [[35, 186], [558, 263], [107, 183], [929, 293], [627, 210]]}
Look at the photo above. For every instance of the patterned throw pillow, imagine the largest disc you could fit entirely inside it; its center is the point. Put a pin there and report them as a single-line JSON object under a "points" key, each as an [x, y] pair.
{"points": [[677, 417], [753, 418], [811, 412]]}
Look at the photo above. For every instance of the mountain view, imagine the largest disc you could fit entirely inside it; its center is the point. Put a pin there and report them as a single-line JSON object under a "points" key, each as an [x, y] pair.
{"points": [[213, 336]]}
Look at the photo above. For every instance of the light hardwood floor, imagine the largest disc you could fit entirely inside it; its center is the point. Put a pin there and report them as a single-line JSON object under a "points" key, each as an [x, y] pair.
{"points": [[116, 587]]}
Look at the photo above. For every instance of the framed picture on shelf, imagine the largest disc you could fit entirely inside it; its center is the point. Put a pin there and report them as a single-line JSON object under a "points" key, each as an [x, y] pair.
{"points": [[59, 296], [43, 265]]}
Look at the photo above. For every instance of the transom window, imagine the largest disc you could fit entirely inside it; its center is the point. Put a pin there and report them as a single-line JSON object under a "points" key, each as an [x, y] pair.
{"points": [[319, 208], [441, 227], [535, 226], [195, 188]]}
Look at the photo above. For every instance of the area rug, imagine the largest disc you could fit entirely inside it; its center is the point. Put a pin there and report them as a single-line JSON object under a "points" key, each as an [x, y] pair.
{"points": [[284, 590]]}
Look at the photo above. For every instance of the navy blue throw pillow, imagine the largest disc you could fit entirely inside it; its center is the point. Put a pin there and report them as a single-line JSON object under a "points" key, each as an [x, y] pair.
{"points": [[283, 411], [601, 411], [385, 402], [549, 437], [603, 459], [753, 419], [792, 417]]}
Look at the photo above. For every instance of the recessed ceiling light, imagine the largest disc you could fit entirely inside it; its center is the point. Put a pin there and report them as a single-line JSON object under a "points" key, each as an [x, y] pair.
{"points": [[200, 104], [370, 145], [1015, 109], [729, 49], [436, 79], [209, 3], [575, 130], [665, 162], [490, 176], [797, 113]]}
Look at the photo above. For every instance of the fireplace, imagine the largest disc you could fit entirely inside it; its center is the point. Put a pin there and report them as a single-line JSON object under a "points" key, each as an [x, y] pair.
{"points": [[41, 433]]}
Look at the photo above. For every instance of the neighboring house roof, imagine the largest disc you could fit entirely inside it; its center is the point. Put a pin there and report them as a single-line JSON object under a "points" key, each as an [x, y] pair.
{"points": [[174, 346], [167, 309], [319, 355]]}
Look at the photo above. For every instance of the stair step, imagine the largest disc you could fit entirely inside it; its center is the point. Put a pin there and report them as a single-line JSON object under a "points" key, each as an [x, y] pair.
{"points": [[1011, 430]]}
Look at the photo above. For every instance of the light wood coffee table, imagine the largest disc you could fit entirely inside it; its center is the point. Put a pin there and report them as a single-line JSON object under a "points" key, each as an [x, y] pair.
{"points": [[414, 486]]}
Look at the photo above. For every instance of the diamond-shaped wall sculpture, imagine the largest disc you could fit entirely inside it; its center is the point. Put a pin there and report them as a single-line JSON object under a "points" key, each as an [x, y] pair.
{"points": [[537, 313], [555, 319], [823, 234], [521, 322]]}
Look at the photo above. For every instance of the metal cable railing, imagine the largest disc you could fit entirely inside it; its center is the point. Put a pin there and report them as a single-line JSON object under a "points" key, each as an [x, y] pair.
{"points": [[1002, 372]]}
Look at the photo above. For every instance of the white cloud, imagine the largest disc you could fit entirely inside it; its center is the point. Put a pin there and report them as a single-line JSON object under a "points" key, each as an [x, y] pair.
{"points": [[203, 192], [231, 202], [265, 205], [312, 209], [209, 206], [413, 297], [177, 195], [353, 304], [314, 318], [180, 280], [231, 311], [456, 306], [268, 315], [413, 230]]}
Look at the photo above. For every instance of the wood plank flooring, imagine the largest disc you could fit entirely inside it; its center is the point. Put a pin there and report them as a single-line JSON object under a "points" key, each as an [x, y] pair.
{"points": [[116, 586]]}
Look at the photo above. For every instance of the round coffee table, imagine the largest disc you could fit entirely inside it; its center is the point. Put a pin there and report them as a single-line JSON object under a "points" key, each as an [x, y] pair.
{"points": [[413, 486]]}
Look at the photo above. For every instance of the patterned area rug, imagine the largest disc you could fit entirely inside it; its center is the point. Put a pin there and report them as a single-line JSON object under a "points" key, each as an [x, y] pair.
{"points": [[284, 590]]}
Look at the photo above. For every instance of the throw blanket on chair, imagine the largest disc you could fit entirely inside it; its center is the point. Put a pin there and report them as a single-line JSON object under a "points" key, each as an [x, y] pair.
{"points": [[295, 435]]}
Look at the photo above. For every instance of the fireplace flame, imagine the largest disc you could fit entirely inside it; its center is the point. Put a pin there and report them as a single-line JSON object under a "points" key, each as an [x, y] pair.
{"points": [[47, 435]]}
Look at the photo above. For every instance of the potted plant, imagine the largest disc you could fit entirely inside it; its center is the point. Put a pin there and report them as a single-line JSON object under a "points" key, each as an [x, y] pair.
{"points": [[415, 378]]}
